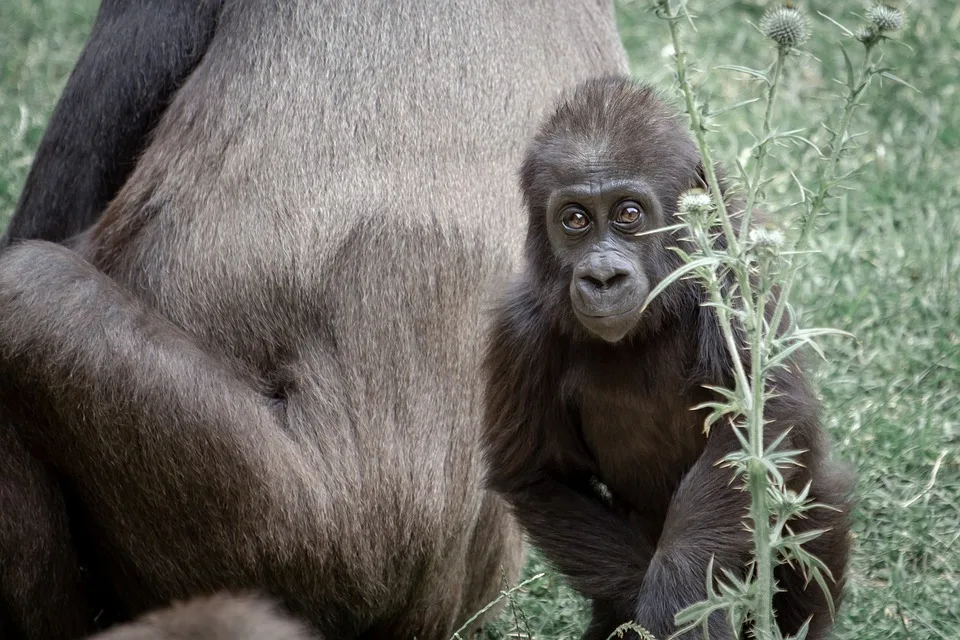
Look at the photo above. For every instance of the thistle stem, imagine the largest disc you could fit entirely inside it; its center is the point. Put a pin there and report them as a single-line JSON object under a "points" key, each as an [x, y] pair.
{"points": [[740, 301], [753, 187], [697, 125], [751, 388], [759, 480], [836, 146], [827, 175]]}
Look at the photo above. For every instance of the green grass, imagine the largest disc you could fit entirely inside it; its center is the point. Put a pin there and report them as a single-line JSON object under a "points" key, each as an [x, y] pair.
{"points": [[889, 272], [39, 44]]}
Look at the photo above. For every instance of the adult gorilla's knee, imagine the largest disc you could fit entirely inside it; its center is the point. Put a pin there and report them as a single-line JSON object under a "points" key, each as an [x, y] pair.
{"points": [[219, 617]]}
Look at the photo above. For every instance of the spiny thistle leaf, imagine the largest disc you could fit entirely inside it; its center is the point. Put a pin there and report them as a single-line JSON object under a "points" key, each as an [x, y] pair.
{"points": [[802, 632], [677, 275], [622, 630], [756, 73]]}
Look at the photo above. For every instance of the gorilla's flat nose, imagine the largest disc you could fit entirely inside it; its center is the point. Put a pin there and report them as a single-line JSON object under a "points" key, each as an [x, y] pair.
{"points": [[604, 279], [601, 273]]}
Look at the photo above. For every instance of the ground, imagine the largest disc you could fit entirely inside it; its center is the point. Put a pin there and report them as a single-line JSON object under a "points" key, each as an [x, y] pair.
{"points": [[888, 272]]}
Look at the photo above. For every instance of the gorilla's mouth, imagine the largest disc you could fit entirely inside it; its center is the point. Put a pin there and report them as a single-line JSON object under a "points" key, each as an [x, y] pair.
{"points": [[613, 325], [611, 315], [625, 304]]}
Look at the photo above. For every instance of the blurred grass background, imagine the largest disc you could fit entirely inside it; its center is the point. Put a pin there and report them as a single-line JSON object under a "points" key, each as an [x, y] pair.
{"points": [[888, 271]]}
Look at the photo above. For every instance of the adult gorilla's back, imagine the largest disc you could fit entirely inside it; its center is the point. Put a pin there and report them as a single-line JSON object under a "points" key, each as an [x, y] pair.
{"points": [[276, 386]]}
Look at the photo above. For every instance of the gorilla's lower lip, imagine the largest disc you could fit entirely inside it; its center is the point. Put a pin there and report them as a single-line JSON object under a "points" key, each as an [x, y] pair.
{"points": [[605, 316]]}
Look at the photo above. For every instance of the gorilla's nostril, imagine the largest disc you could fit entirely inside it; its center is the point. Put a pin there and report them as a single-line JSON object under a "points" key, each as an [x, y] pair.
{"points": [[591, 282], [604, 281], [616, 279]]}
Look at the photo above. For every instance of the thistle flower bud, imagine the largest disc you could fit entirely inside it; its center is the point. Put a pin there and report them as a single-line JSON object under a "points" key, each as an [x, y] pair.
{"points": [[788, 502], [786, 25], [885, 17], [766, 239], [695, 203], [765, 244], [867, 35]]}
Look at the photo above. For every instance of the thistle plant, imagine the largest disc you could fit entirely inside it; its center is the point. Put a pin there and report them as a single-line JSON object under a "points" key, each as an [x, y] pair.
{"points": [[748, 278]]}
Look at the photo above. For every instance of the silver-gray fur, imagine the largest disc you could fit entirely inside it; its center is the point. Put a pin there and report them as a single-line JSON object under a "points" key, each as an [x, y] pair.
{"points": [[219, 617], [259, 368]]}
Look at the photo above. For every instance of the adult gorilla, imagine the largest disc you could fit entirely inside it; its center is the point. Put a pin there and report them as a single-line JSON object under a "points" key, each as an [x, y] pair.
{"points": [[257, 368]]}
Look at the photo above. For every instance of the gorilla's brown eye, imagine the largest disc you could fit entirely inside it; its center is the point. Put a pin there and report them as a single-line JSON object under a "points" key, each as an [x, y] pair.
{"points": [[628, 214], [574, 220]]}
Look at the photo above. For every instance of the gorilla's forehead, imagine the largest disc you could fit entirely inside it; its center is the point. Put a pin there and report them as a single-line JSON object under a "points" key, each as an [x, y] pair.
{"points": [[601, 162], [602, 185]]}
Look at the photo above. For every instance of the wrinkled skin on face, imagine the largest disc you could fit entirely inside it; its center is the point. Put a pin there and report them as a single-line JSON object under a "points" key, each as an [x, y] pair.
{"points": [[600, 182], [595, 227]]}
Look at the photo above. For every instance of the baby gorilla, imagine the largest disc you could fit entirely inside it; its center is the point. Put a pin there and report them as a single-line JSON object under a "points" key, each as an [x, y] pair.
{"points": [[585, 385]]}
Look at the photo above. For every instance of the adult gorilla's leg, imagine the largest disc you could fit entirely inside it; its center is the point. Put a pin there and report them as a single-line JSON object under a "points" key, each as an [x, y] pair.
{"points": [[41, 592], [220, 617], [495, 557], [162, 442]]}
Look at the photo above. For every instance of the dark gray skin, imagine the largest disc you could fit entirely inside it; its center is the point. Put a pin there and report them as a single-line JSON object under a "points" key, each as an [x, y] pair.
{"points": [[257, 369], [596, 221], [589, 429], [219, 617]]}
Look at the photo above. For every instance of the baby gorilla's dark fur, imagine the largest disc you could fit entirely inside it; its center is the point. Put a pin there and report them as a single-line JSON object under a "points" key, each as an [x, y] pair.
{"points": [[584, 386]]}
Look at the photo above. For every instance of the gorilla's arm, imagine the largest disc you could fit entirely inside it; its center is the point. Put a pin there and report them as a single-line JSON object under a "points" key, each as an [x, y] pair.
{"points": [[708, 513], [602, 556], [138, 54], [161, 437], [526, 427], [705, 519], [41, 586]]}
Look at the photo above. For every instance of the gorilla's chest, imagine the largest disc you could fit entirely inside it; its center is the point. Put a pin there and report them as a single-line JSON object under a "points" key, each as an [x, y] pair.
{"points": [[637, 423]]}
